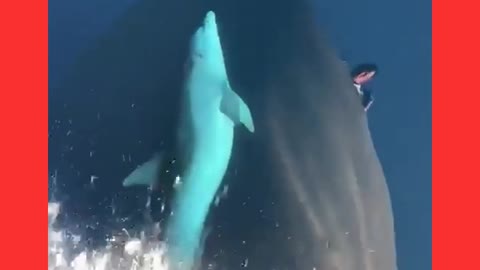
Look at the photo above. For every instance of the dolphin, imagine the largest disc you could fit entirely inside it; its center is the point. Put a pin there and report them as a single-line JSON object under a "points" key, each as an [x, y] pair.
{"points": [[146, 173], [211, 111]]}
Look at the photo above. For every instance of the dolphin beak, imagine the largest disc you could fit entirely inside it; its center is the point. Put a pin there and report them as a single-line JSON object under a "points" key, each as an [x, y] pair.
{"points": [[210, 19]]}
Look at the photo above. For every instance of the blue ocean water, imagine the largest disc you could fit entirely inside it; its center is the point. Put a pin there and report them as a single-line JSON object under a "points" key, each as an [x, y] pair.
{"points": [[115, 74]]}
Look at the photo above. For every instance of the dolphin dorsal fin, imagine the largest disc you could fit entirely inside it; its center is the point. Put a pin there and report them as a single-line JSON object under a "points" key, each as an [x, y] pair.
{"points": [[235, 108]]}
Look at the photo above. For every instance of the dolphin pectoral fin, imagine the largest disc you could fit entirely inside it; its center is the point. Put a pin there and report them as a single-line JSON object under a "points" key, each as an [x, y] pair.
{"points": [[235, 108], [146, 174]]}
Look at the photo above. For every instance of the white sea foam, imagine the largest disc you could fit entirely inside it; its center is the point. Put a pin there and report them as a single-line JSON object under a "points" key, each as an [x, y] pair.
{"points": [[133, 254]]}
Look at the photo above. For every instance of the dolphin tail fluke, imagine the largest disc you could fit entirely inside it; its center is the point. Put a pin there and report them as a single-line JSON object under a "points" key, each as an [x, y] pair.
{"points": [[146, 174], [235, 108]]}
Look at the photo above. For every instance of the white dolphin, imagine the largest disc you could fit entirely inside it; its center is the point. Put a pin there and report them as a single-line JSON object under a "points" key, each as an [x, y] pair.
{"points": [[211, 111]]}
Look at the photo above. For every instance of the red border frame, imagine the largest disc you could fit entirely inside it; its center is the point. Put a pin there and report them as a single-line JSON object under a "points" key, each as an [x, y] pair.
{"points": [[24, 121], [455, 139]]}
